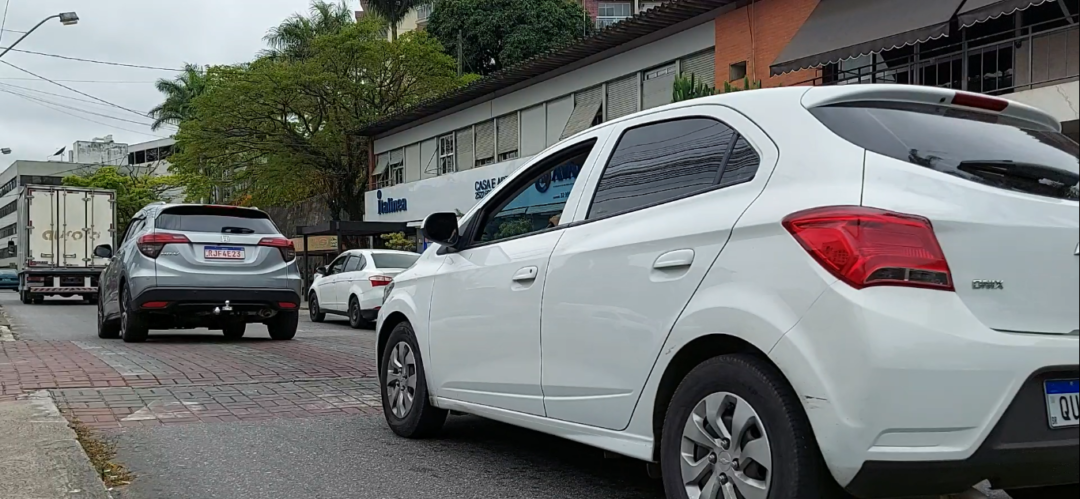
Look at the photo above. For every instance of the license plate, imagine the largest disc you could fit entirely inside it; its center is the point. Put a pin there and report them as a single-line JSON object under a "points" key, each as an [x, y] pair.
{"points": [[1063, 403], [223, 253]]}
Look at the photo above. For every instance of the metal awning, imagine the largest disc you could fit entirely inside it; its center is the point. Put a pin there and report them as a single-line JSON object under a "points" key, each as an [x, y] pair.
{"points": [[843, 29], [977, 11]]}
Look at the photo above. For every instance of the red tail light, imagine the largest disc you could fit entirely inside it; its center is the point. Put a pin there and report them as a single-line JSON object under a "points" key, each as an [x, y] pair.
{"points": [[288, 252], [151, 244], [978, 101], [869, 247], [286, 305], [155, 304], [380, 280]]}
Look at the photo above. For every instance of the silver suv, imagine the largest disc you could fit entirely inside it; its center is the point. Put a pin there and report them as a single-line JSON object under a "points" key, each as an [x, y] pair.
{"points": [[186, 266]]}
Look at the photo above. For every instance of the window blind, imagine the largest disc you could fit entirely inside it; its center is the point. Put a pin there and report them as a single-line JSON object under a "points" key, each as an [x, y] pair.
{"points": [[508, 133], [485, 140], [622, 97], [586, 104]]}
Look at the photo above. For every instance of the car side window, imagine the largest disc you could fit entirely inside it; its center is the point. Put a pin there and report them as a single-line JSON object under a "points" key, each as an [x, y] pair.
{"points": [[354, 263], [133, 228], [669, 160], [538, 204], [335, 268]]}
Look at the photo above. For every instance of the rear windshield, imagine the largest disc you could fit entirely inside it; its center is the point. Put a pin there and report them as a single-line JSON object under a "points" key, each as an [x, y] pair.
{"points": [[218, 220], [393, 260], [988, 149], [7, 272]]}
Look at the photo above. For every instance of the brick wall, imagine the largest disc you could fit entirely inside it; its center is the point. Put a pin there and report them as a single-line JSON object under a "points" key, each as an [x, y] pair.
{"points": [[593, 6], [775, 22]]}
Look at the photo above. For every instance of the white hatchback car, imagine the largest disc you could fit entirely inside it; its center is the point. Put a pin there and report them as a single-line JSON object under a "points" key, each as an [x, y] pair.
{"points": [[881, 281], [353, 284]]}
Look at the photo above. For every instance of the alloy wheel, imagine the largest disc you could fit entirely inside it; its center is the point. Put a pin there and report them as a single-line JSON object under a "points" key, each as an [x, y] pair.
{"points": [[401, 380], [725, 451], [354, 312], [313, 307], [123, 314]]}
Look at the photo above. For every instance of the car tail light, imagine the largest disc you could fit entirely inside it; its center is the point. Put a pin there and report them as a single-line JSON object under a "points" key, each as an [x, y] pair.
{"points": [[288, 252], [869, 247], [978, 101], [35, 278], [286, 305], [155, 304], [380, 280], [151, 244]]}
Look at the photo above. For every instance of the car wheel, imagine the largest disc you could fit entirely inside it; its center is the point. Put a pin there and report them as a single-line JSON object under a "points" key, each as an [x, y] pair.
{"points": [[38, 299], [132, 327], [25, 297], [406, 405], [235, 331], [283, 325], [314, 312], [735, 429], [356, 317], [108, 329], [1059, 492]]}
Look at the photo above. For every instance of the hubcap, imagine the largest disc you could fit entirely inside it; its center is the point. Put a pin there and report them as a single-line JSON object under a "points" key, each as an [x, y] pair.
{"points": [[123, 316], [313, 306], [401, 380], [725, 452]]}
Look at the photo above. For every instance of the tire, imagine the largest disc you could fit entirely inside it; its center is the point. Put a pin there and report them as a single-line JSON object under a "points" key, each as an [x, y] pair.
{"points": [[90, 299], [105, 328], [1059, 492], [314, 312], [283, 325], [234, 331], [25, 297], [753, 387], [38, 300], [356, 317], [132, 326], [421, 419]]}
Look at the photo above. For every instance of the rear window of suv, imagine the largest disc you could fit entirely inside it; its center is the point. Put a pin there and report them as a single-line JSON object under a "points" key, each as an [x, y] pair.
{"points": [[214, 219], [393, 260], [989, 149]]}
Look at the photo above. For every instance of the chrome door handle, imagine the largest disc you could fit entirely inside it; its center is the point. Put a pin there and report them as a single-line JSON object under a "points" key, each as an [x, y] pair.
{"points": [[525, 274], [674, 259]]}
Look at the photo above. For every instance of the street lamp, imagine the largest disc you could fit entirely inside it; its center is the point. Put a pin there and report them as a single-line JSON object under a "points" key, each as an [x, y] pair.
{"points": [[66, 18], [5, 151]]}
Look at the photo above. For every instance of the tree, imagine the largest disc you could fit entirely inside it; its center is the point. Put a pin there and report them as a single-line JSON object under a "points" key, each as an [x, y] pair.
{"points": [[179, 94], [497, 34], [393, 11], [747, 85], [294, 38], [398, 241], [134, 190]]}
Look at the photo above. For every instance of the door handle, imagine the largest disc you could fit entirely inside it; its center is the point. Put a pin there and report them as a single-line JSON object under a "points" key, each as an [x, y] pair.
{"points": [[525, 274], [674, 259]]}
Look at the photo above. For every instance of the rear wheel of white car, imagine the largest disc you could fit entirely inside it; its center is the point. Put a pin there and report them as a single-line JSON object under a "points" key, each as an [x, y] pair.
{"points": [[132, 326], [735, 430], [406, 405], [235, 330], [314, 312], [283, 325], [356, 317]]}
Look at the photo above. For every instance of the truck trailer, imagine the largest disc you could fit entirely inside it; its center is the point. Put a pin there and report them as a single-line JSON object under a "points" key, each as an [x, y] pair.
{"points": [[58, 229]]}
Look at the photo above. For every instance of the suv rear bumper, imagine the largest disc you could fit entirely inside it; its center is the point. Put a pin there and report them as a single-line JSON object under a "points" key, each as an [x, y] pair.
{"points": [[193, 299]]}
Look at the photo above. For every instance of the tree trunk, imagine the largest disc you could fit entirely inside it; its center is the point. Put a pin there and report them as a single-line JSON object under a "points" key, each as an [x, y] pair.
{"points": [[393, 31]]}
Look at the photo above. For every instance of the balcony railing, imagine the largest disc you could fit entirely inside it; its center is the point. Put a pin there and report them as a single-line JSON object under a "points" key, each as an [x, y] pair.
{"points": [[999, 63]]}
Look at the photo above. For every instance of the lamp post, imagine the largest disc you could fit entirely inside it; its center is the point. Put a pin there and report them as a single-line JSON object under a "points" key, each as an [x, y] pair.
{"points": [[66, 18]]}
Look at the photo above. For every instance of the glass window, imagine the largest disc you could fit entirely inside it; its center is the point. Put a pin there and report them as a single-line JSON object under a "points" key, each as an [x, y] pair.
{"points": [[539, 204], [222, 220], [446, 155], [662, 162], [393, 260], [337, 265], [354, 263], [742, 164]]}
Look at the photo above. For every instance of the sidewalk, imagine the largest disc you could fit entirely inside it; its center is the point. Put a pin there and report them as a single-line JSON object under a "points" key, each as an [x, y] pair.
{"points": [[39, 456]]}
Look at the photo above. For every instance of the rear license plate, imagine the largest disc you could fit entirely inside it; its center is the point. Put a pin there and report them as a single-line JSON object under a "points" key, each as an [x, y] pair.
{"points": [[1063, 403], [223, 253]]}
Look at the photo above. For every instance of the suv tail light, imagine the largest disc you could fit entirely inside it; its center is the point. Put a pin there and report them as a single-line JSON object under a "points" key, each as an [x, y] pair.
{"points": [[870, 247], [380, 280], [151, 244], [288, 252]]}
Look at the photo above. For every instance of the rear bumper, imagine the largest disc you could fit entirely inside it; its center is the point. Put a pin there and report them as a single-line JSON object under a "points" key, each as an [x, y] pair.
{"points": [[194, 299]]}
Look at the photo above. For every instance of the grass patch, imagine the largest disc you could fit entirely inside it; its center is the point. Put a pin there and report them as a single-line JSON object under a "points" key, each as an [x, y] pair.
{"points": [[101, 453]]}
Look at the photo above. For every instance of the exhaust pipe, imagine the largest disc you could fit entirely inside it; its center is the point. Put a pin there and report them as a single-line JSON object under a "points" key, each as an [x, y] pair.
{"points": [[266, 313]]}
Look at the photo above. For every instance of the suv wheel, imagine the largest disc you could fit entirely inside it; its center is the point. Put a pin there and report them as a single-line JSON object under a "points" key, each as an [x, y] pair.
{"points": [[314, 312], [356, 317], [106, 328], [235, 331], [406, 405], [283, 325], [24, 296], [734, 429], [132, 327]]}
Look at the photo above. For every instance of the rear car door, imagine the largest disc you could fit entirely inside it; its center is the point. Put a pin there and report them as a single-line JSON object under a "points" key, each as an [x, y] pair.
{"points": [[646, 232]]}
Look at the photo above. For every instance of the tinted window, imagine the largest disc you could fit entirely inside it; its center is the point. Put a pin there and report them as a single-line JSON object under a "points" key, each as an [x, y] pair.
{"points": [[988, 149], [353, 264], [335, 268], [742, 164], [662, 162], [219, 220], [539, 204], [393, 260]]}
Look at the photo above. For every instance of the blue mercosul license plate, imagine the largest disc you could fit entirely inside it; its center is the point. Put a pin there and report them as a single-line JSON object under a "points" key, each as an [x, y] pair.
{"points": [[1063, 402]]}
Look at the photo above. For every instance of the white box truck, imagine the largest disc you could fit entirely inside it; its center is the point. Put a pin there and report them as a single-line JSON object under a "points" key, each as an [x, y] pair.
{"points": [[57, 231]]}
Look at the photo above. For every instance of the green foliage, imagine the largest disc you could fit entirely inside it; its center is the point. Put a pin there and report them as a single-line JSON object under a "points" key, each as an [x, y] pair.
{"points": [[294, 38], [179, 94], [398, 241], [133, 191], [687, 87], [497, 34], [747, 85], [513, 227], [393, 11]]}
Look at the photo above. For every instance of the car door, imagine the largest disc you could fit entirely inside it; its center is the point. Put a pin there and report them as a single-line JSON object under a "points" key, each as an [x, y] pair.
{"points": [[119, 264], [649, 228], [326, 285], [351, 274], [485, 307]]}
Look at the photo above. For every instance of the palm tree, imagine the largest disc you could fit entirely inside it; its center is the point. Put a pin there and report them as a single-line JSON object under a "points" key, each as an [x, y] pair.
{"points": [[393, 11], [292, 39], [179, 93]]}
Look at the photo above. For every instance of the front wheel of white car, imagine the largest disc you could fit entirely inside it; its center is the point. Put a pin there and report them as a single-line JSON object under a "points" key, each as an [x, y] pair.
{"points": [[735, 430], [406, 405]]}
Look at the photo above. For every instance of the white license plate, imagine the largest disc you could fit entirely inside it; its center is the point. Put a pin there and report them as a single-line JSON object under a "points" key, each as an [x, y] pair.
{"points": [[1063, 402], [223, 253]]}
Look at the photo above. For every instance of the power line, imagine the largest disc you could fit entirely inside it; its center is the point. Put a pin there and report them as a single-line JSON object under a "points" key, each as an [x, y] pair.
{"points": [[62, 111], [3, 21], [111, 82], [93, 61], [28, 89], [84, 94], [70, 108]]}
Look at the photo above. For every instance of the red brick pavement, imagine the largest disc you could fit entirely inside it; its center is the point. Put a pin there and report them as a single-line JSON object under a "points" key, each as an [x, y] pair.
{"points": [[35, 365]]}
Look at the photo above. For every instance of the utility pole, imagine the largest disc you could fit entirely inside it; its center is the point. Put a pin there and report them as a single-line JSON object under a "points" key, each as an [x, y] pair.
{"points": [[66, 18], [460, 54]]}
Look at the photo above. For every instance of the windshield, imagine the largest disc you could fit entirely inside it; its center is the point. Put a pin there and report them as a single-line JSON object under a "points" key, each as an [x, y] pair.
{"points": [[989, 149], [217, 220], [393, 260], [7, 272]]}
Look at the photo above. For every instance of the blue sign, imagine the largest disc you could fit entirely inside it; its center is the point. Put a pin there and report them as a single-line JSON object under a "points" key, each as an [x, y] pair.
{"points": [[551, 188], [391, 205]]}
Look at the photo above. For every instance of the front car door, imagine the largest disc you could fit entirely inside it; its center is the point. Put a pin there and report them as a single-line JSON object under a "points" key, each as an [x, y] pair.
{"points": [[485, 307], [649, 228], [347, 281], [326, 285], [118, 265]]}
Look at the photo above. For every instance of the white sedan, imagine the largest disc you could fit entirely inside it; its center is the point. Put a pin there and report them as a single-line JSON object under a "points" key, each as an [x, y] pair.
{"points": [[352, 285]]}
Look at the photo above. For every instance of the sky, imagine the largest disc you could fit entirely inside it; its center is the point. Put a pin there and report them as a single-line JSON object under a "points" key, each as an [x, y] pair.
{"points": [[158, 33]]}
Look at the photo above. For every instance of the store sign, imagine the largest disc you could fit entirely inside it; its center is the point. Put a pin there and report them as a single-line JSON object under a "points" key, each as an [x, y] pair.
{"points": [[483, 187], [391, 205], [316, 243]]}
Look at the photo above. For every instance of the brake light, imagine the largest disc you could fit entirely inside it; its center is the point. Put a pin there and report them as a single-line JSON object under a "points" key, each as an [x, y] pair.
{"points": [[286, 305], [288, 252], [870, 247], [155, 304], [978, 101], [152, 244], [35, 278], [380, 280]]}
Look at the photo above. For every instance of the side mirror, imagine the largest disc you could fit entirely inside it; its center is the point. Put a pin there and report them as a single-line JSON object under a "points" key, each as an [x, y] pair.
{"points": [[11, 243], [320, 270], [441, 228], [103, 251]]}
